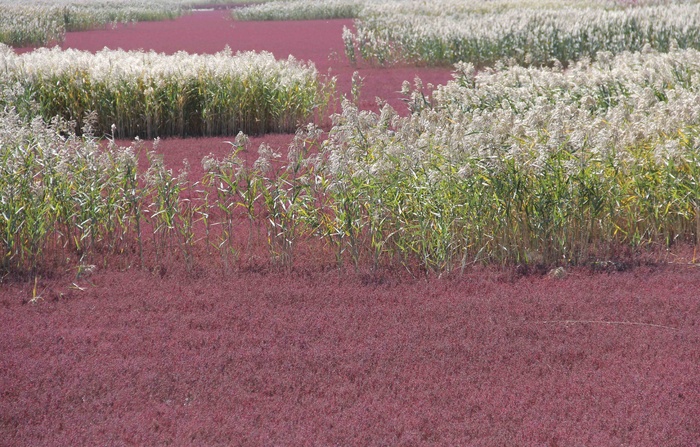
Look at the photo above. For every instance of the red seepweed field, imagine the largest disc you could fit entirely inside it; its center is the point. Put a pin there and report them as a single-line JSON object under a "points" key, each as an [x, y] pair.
{"points": [[318, 356]]}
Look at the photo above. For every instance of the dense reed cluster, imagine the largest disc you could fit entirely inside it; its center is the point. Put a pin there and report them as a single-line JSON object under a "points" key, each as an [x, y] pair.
{"points": [[300, 10], [526, 32], [149, 94], [512, 163], [43, 22], [330, 9], [530, 165], [529, 34], [62, 197], [37, 23], [507, 165], [23, 26]]}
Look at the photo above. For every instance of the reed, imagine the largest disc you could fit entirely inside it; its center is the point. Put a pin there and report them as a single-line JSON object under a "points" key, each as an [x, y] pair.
{"points": [[149, 94], [300, 10], [525, 32], [502, 165], [44, 22], [522, 165], [62, 197]]}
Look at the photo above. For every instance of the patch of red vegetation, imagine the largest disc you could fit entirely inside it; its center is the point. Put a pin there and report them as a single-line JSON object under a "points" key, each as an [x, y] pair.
{"points": [[168, 357], [320, 359]]}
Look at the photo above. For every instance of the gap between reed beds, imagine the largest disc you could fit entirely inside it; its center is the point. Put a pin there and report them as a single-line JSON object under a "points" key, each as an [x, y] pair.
{"points": [[151, 95], [511, 165]]}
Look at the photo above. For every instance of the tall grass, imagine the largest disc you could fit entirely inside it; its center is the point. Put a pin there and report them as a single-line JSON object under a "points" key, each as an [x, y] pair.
{"points": [[62, 196], [300, 10], [524, 32], [333, 9], [39, 23], [43, 22], [23, 26], [526, 165], [506, 165], [149, 94]]}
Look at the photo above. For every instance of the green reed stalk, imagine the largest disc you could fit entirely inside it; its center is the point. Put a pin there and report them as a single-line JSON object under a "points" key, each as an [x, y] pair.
{"points": [[150, 95]]}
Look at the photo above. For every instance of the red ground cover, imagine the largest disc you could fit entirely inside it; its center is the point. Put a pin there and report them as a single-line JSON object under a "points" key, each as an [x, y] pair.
{"points": [[318, 357]]}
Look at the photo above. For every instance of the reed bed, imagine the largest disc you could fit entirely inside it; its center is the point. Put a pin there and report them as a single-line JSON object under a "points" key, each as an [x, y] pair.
{"points": [[149, 94], [528, 33], [40, 23], [509, 165], [62, 197], [44, 22], [524, 165], [329, 9], [24, 26], [300, 10]]}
